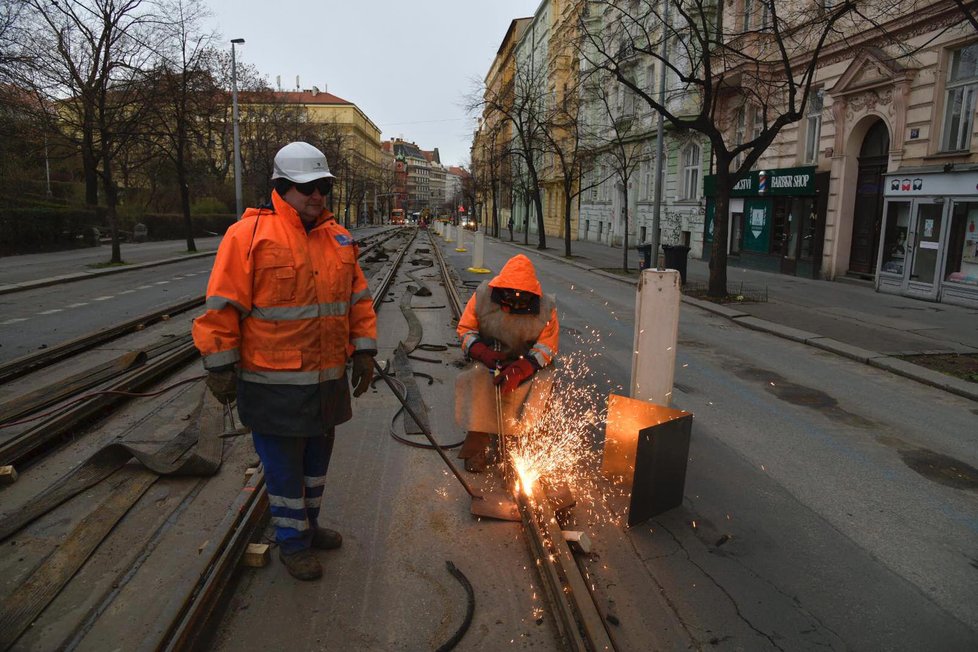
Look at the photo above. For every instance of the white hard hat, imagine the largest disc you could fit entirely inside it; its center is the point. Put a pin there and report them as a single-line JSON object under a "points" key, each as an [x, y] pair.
{"points": [[300, 162]]}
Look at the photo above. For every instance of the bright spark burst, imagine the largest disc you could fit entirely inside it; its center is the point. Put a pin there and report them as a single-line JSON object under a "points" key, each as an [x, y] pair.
{"points": [[555, 445]]}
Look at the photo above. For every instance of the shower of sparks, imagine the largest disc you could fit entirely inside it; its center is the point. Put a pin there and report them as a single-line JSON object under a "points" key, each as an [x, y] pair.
{"points": [[555, 444]]}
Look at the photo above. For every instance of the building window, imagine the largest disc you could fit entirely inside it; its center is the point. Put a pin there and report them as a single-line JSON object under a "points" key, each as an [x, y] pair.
{"points": [[748, 10], [959, 99], [739, 135], [691, 171], [813, 127]]}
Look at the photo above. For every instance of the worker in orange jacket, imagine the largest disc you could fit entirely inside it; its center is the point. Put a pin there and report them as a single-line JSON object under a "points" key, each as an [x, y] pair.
{"points": [[510, 331], [287, 307]]}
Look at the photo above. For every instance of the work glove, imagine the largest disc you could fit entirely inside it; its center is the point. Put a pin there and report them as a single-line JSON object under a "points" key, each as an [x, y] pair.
{"points": [[223, 385], [362, 372], [513, 374], [479, 351]]}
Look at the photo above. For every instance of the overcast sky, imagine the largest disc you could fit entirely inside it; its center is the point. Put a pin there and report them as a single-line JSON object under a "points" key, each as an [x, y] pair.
{"points": [[409, 65]]}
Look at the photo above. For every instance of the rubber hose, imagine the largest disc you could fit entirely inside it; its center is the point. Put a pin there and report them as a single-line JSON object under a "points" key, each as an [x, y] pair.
{"points": [[469, 608]]}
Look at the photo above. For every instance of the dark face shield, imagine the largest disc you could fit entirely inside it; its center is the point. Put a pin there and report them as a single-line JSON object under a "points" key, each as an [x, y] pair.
{"points": [[517, 302]]}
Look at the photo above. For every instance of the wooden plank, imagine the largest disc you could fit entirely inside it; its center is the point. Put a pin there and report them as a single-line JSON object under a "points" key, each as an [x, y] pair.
{"points": [[256, 555], [8, 474], [19, 609]]}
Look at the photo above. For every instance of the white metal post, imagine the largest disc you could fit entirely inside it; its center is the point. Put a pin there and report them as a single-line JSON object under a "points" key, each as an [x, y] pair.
{"points": [[656, 333]]}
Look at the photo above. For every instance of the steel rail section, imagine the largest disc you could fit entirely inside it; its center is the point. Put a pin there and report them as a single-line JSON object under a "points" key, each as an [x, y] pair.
{"points": [[33, 361], [245, 516], [21, 446], [577, 617], [454, 298], [206, 595]]}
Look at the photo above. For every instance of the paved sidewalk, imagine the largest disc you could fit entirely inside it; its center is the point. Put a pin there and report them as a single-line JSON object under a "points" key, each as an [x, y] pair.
{"points": [[847, 318]]}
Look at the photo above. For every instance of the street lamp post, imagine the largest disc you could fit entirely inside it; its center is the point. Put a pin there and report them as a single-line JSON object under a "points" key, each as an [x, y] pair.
{"points": [[239, 202]]}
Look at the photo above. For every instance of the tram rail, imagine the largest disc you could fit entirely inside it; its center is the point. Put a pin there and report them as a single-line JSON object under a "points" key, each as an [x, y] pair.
{"points": [[579, 621]]}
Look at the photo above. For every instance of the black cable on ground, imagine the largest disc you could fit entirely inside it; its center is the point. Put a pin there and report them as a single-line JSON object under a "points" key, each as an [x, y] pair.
{"points": [[469, 608], [432, 347], [408, 442], [420, 359]]}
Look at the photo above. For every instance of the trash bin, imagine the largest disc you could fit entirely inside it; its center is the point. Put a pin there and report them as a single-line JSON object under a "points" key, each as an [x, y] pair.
{"points": [[140, 233], [646, 252], [675, 258]]}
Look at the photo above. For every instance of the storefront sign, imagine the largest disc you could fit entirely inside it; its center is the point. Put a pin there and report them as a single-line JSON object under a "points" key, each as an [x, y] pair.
{"points": [[937, 184], [785, 182]]}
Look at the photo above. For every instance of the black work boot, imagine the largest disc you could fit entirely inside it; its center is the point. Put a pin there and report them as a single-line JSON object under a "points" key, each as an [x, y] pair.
{"points": [[476, 463], [302, 565], [325, 539]]}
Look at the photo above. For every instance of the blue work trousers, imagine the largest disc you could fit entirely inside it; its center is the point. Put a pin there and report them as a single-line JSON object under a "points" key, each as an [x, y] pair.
{"points": [[295, 474]]}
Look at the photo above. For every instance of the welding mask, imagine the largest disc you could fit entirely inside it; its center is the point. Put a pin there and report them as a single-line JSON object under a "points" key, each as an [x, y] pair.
{"points": [[517, 302]]}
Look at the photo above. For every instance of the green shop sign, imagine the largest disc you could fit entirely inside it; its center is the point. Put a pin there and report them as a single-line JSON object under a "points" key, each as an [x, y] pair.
{"points": [[786, 182]]}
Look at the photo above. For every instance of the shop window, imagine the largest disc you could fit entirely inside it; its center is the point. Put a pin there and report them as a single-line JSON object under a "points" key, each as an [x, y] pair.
{"points": [[959, 99], [813, 125], [895, 237], [962, 254], [691, 171]]}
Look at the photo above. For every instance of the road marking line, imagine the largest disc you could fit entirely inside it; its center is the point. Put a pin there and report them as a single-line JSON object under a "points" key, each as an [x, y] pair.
{"points": [[127, 292], [51, 312], [144, 287], [161, 282], [104, 298], [78, 305], [13, 321]]}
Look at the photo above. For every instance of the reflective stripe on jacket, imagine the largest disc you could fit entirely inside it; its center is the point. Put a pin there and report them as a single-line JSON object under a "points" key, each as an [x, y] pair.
{"points": [[289, 307]]}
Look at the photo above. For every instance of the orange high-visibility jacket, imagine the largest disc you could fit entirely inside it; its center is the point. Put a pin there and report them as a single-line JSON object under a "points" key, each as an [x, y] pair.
{"points": [[288, 307], [533, 336]]}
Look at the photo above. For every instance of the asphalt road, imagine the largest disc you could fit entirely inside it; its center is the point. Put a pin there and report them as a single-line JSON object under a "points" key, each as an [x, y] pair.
{"points": [[848, 496], [33, 319]]}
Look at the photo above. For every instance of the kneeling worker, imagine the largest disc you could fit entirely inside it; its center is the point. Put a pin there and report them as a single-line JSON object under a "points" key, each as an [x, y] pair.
{"points": [[510, 330], [287, 305]]}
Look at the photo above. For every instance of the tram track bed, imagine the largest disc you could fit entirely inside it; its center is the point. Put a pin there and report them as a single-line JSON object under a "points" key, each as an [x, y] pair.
{"points": [[163, 576]]}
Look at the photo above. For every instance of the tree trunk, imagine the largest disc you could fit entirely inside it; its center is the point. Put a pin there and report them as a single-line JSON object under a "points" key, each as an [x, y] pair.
{"points": [[568, 198], [90, 167], [721, 216], [542, 232], [495, 209], [185, 199], [111, 201], [526, 221], [624, 233]]}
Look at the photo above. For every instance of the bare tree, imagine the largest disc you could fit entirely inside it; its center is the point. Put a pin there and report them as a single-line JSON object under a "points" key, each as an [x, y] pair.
{"points": [[492, 166], [572, 158], [718, 64], [524, 106], [616, 139], [88, 59], [183, 92]]}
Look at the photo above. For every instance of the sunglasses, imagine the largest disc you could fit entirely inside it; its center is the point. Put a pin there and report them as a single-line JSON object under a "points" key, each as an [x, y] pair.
{"points": [[324, 186]]}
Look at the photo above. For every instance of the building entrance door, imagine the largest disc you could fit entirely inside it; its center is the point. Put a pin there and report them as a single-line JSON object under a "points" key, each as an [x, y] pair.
{"points": [[925, 250], [868, 210]]}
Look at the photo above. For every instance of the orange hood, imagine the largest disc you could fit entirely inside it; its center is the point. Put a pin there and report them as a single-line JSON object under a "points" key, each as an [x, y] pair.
{"points": [[518, 274]]}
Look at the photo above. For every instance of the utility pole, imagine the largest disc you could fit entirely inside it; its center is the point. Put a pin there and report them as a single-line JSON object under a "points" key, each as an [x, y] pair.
{"points": [[660, 140], [238, 200]]}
